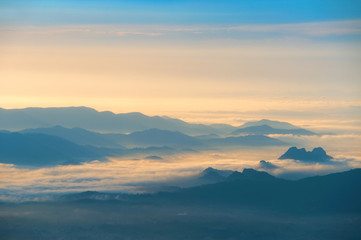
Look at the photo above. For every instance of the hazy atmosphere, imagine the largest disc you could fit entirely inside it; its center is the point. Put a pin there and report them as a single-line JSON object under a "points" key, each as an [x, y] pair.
{"points": [[180, 119]]}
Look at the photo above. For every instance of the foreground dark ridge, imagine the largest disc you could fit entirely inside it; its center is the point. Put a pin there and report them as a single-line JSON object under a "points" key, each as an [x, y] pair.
{"points": [[248, 205], [337, 192]]}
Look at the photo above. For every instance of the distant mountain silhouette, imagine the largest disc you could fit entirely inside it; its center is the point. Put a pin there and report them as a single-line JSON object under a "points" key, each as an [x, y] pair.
{"points": [[211, 175], [316, 155], [147, 138], [157, 137], [271, 123], [223, 173], [152, 138], [250, 140], [41, 150], [265, 129], [207, 136], [90, 119], [250, 174], [35, 150], [77, 135]]}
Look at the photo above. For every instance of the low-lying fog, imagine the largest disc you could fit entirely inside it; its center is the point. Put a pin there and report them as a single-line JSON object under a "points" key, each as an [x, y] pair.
{"points": [[128, 174]]}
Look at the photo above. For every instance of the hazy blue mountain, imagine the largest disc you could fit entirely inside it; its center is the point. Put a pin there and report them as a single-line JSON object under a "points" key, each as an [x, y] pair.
{"points": [[265, 129], [223, 128], [271, 123], [152, 141], [211, 175], [223, 173], [157, 137], [147, 138], [207, 136], [316, 155], [35, 150], [250, 140], [90, 119], [207, 176], [77, 135], [41, 150]]}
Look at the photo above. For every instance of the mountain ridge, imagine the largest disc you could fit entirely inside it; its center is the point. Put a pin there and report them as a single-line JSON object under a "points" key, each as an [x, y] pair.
{"points": [[266, 129], [109, 122], [103, 121], [271, 123], [260, 190]]}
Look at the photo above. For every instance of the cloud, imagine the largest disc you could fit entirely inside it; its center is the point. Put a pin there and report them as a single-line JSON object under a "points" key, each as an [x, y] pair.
{"points": [[313, 29], [90, 30], [139, 33], [124, 174]]}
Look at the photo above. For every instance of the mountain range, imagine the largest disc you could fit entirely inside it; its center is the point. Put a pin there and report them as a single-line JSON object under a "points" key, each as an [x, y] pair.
{"points": [[273, 124], [70, 117], [55, 134], [266, 129], [109, 122], [59, 145], [244, 205], [39, 150], [332, 193]]}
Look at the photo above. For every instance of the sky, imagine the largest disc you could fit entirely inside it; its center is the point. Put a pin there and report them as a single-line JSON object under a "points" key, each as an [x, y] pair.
{"points": [[201, 61], [197, 60]]}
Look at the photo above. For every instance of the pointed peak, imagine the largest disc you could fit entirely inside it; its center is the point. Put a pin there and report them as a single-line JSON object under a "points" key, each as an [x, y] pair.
{"points": [[209, 169]]}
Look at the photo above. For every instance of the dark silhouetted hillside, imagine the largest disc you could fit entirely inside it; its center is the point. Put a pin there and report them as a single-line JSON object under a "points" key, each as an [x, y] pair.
{"points": [[330, 194], [339, 192]]}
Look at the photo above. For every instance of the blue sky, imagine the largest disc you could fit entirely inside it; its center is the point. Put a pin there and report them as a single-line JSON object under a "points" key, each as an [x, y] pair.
{"points": [[144, 55], [177, 12]]}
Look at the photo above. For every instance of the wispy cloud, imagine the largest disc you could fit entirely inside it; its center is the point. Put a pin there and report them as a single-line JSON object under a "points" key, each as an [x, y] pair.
{"points": [[313, 29]]}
